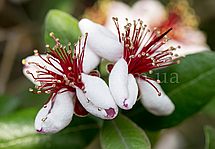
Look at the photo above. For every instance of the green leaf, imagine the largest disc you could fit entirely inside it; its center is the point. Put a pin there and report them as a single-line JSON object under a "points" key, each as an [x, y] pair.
{"points": [[209, 109], [190, 85], [122, 133], [209, 137], [64, 26], [17, 131]]}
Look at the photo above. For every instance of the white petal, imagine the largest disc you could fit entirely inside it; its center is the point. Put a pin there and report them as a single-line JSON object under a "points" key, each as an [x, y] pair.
{"points": [[132, 91], [118, 83], [91, 60], [33, 68], [186, 48], [154, 12], [189, 45], [57, 117], [101, 103], [123, 87], [101, 41], [143, 10], [157, 105], [121, 11]]}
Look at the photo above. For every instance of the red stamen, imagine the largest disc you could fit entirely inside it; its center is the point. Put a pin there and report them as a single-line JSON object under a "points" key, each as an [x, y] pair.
{"points": [[67, 74], [143, 57]]}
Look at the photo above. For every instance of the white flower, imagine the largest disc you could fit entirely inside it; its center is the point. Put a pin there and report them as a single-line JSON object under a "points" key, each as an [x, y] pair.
{"points": [[60, 73], [177, 15], [138, 57]]}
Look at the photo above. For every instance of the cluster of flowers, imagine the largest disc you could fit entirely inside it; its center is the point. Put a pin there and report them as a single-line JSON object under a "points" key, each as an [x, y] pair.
{"points": [[67, 74]]}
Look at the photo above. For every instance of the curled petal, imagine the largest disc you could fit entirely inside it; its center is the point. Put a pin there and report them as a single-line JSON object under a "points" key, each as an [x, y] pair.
{"points": [[132, 91], [123, 87], [57, 115], [101, 41], [97, 100], [32, 67], [91, 59], [157, 105]]}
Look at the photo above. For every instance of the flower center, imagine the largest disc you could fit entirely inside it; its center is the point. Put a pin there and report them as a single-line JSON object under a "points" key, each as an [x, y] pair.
{"points": [[142, 50], [62, 71]]}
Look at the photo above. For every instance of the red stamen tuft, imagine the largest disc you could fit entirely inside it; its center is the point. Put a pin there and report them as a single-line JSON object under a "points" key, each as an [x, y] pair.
{"points": [[63, 69], [142, 49]]}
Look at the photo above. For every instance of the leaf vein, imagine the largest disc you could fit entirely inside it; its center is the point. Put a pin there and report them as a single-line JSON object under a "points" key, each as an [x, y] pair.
{"points": [[120, 134], [202, 75]]}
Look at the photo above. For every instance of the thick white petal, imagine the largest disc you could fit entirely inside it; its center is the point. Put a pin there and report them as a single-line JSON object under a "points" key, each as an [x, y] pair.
{"points": [[33, 68], [57, 117], [97, 100], [132, 91], [91, 59], [157, 105], [118, 83], [101, 41], [123, 87]]}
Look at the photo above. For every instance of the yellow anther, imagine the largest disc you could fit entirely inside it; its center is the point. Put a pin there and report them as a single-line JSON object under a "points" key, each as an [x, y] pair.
{"points": [[23, 61], [51, 34], [43, 119]]}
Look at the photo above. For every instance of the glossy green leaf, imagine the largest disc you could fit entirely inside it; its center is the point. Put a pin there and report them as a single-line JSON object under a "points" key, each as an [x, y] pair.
{"points": [[122, 133], [64, 26], [190, 85], [209, 137], [17, 131]]}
